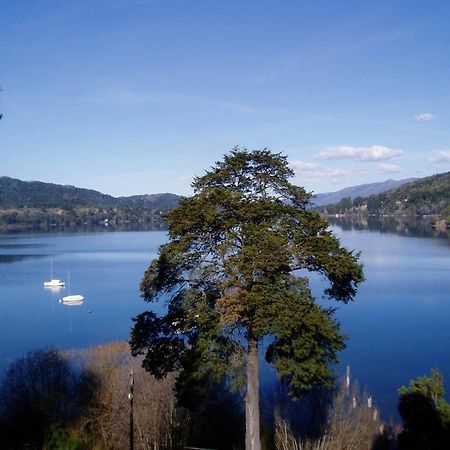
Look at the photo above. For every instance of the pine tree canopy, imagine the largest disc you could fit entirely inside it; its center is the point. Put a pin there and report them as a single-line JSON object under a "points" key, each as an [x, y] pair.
{"points": [[234, 269]]}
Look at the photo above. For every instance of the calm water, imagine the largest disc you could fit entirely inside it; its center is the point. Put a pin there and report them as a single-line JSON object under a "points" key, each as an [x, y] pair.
{"points": [[398, 327], [105, 268]]}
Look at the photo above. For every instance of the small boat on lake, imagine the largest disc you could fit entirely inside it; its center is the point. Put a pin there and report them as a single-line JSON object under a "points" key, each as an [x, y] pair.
{"points": [[53, 283], [72, 299]]}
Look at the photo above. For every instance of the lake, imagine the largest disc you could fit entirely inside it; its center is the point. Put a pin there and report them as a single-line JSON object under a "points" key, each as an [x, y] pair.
{"points": [[398, 326]]}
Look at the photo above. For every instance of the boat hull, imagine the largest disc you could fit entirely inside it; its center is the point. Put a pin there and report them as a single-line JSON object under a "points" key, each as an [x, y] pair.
{"points": [[72, 298], [54, 283], [73, 303]]}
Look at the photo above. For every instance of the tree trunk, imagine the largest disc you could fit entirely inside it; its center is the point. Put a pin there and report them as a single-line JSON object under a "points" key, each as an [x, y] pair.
{"points": [[252, 435]]}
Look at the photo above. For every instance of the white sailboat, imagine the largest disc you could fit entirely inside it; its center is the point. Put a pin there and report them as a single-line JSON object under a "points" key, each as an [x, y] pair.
{"points": [[53, 283], [74, 299]]}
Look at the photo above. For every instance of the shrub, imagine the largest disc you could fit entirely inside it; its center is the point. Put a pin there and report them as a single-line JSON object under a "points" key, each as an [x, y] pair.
{"points": [[425, 414], [38, 390]]}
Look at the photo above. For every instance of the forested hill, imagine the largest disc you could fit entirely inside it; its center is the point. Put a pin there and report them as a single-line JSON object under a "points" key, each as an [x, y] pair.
{"points": [[38, 205], [36, 194], [426, 196]]}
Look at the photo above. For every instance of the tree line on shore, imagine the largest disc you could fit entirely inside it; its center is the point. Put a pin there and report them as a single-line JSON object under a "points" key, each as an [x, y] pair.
{"points": [[36, 219]]}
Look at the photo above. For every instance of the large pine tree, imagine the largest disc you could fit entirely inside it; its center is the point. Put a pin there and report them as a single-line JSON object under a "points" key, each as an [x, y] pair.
{"points": [[234, 271]]}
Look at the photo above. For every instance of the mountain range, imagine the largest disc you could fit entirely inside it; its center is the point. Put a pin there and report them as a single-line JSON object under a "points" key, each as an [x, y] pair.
{"points": [[39, 205], [16, 193]]}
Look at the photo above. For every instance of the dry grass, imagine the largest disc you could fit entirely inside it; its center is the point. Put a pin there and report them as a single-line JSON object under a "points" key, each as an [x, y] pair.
{"points": [[353, 424], [106, 426]]}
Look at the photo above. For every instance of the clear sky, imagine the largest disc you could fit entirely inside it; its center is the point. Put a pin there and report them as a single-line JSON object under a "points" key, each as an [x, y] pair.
{"points": [[137, 96]]}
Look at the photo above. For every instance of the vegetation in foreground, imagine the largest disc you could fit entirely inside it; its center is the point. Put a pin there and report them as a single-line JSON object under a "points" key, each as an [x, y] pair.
{"points": [[78, 400]]}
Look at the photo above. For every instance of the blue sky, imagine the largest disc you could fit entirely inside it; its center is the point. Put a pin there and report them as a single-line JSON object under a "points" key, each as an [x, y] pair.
{"points": [[135, 96]]}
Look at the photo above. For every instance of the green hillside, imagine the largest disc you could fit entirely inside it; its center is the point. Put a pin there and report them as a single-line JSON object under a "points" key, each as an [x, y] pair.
{"points": [[426, 196], [35, 194], [38, 205]]}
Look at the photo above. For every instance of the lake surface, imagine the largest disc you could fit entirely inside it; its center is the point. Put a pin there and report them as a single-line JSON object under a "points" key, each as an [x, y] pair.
{"points": [[398, 327], [105, 268]]}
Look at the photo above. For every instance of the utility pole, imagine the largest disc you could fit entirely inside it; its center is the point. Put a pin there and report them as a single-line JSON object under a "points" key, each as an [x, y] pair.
{"points": [[130, 398]]}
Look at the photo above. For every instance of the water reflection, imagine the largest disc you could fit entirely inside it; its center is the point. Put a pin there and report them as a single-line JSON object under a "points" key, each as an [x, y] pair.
{"points": [[89, 228], [70, 304], [6, 259], [403, 226], [20, 246]]}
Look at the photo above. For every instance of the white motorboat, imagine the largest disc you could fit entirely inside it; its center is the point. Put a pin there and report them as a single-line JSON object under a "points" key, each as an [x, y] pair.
{"points": [[53, 283]]}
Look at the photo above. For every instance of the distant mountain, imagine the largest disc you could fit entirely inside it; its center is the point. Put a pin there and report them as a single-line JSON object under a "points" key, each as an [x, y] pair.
{"points": [[38, 205], [157, 201], [363, 190]]}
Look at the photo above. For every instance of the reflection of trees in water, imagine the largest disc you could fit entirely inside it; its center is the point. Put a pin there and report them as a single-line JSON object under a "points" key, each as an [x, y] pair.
{"points": [[46, 228], [5, 259], [404, 226], [16, 246]]}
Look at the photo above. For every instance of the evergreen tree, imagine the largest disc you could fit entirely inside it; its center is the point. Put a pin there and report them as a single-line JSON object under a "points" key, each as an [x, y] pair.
{"points": [[234, 273], [425, 414]]}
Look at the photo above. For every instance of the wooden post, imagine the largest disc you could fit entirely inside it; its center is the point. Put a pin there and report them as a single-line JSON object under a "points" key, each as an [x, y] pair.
{"points": [[130, 398]]}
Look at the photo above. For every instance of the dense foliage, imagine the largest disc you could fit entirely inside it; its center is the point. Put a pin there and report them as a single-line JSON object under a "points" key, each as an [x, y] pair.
{"points": [[425, 414], [39, 391], [230, 273]]}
